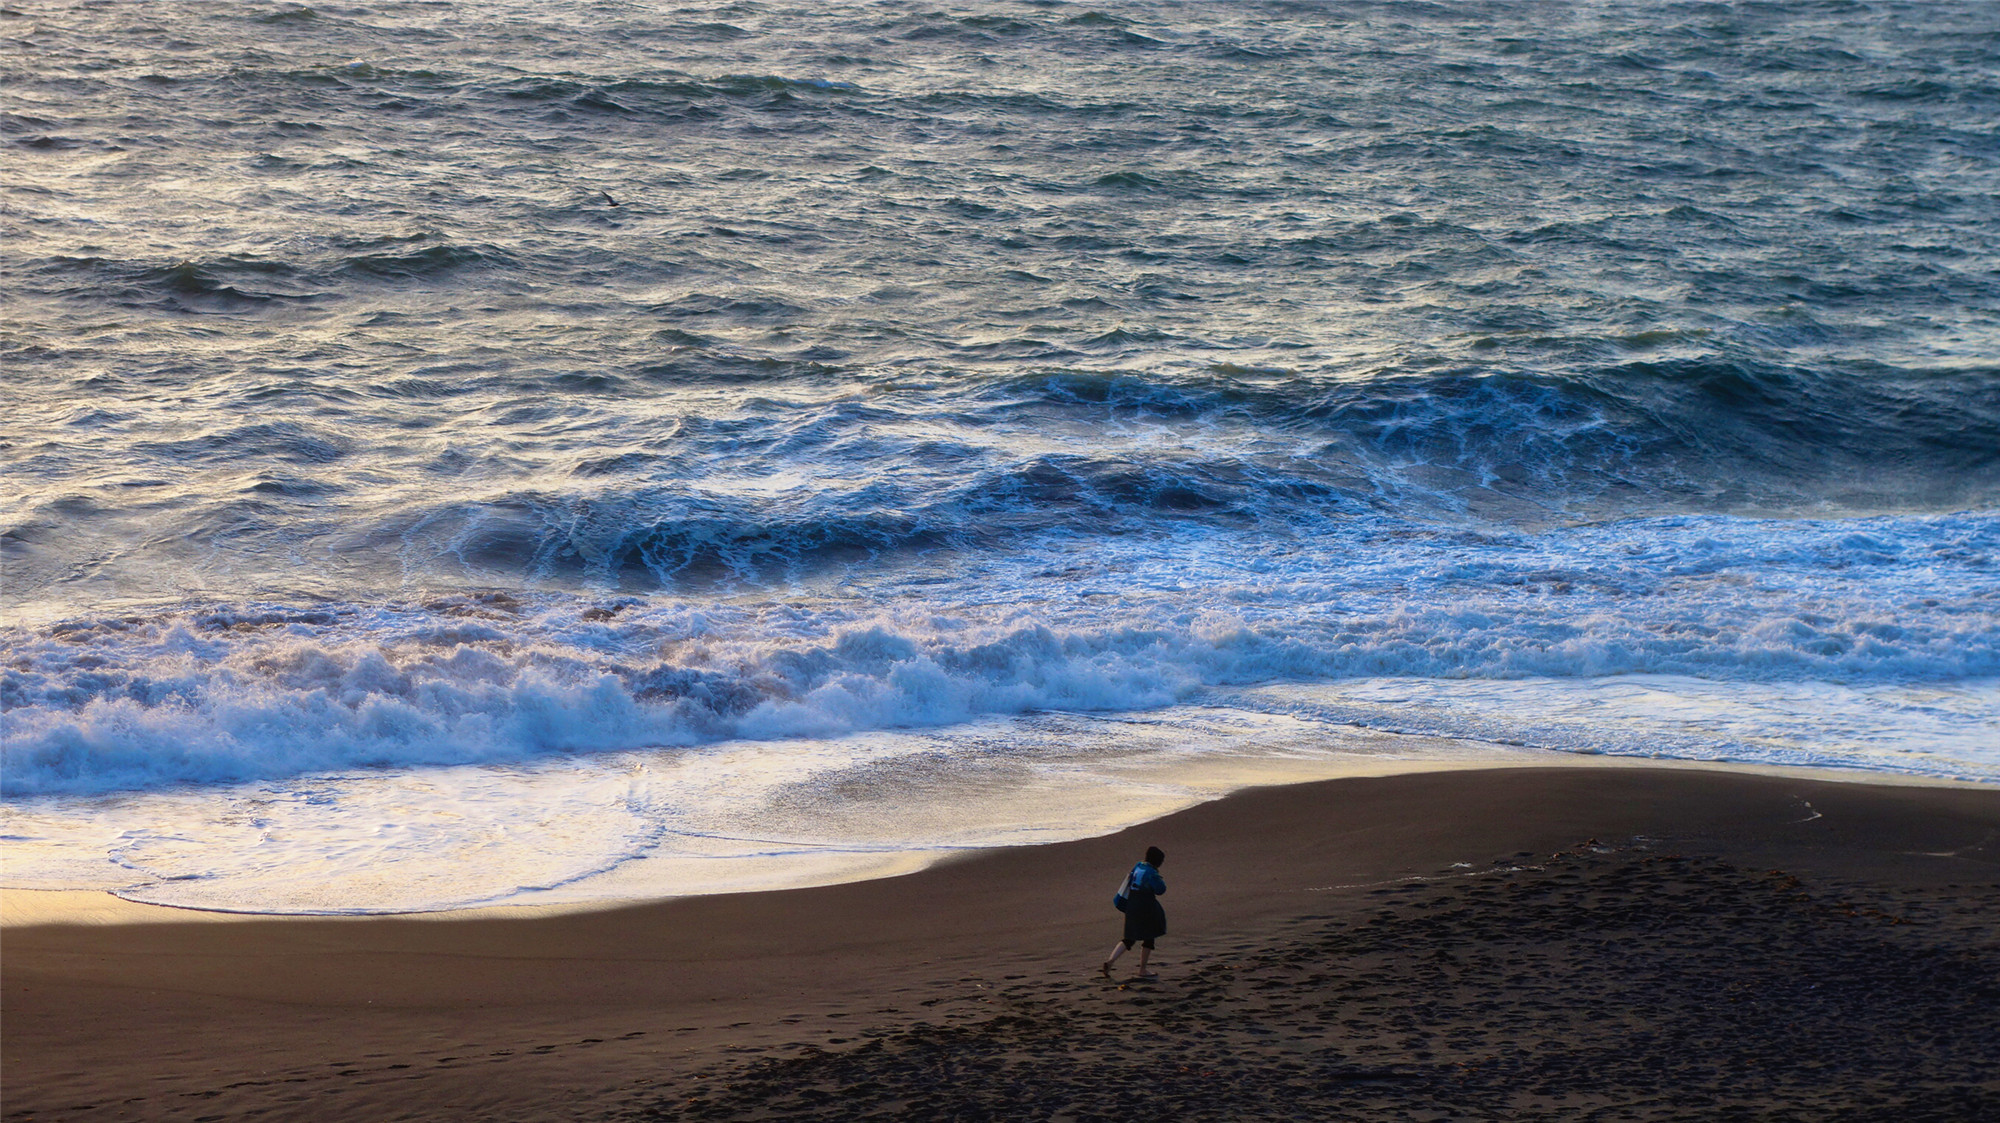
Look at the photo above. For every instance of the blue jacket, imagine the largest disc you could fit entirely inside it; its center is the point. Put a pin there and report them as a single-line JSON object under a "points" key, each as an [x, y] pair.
{"points": [[1146, 879]]}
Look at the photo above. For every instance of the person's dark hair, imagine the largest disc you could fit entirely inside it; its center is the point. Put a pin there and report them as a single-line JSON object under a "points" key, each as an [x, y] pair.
{"points": [[1155, 855]]}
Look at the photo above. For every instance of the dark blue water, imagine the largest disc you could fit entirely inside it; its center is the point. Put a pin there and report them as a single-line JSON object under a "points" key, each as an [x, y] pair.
{"points": [[406, 386]]}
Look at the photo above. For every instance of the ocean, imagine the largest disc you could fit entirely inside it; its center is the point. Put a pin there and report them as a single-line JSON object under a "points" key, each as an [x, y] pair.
{"points": [[555, 452]]}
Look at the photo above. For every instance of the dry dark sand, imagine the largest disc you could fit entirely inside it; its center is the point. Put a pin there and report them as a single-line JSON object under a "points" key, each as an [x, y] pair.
{"points": [[1602, 943]]}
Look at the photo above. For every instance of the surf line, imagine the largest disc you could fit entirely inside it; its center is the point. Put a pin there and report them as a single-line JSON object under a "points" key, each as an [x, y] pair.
{"points": [[1593, 846], [1420, 877]]}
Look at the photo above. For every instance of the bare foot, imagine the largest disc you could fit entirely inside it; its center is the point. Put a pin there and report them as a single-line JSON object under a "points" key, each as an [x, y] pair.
{"points": [[1147, 975], [1106, 969]]}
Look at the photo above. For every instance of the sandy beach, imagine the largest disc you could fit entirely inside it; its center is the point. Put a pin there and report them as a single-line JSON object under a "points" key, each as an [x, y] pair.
{"points": [[1614, 943], [587, 561]]}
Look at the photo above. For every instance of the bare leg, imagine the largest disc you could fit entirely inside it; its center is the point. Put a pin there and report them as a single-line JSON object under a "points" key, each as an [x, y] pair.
{"points": [[1144, 955], [1117, 950]]}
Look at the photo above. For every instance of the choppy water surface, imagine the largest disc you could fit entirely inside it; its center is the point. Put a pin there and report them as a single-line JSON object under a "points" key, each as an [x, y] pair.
{"points": [[628, 449]]}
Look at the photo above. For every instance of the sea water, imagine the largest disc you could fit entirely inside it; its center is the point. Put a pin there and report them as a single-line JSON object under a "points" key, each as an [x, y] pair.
{"points": [[507, 452]]}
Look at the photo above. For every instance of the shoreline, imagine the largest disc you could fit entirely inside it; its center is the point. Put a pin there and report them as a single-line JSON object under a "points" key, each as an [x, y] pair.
{"points": [[572, 1016], [30, 907]]}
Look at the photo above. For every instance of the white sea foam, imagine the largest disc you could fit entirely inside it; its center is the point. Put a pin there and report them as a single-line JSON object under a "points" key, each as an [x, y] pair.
{"points": [[219, 696], [484, 749], [660, 823], [737, 815]]}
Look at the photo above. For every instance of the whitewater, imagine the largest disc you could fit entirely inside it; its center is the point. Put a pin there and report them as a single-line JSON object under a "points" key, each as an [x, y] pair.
{"points": [[554, 453]]}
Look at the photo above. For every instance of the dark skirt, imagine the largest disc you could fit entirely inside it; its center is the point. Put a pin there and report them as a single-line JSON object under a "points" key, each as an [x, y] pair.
{"points": [[1144, 918]]}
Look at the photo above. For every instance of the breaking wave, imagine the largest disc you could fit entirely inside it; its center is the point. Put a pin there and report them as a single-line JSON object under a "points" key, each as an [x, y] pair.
{"points": [[223, 694]]}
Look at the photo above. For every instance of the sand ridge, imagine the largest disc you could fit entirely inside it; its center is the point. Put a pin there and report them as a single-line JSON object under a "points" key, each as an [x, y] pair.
{"points": [[1601, 983]]}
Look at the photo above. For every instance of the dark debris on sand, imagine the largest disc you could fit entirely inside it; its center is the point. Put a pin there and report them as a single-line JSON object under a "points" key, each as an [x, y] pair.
{"points": [[1597, 984]]}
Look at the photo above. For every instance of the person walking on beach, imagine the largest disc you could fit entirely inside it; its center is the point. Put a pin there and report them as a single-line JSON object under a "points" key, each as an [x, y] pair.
{"points": [[1145, 920]]}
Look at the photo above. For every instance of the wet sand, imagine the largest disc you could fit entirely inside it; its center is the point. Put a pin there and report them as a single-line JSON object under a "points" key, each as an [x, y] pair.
{"points": [[1603, 943]]}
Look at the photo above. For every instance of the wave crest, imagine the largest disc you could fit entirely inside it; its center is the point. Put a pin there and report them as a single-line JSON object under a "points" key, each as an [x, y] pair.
{"points": [[222, 694]]}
